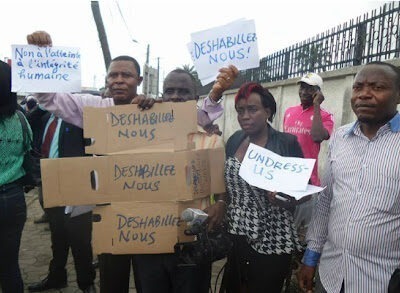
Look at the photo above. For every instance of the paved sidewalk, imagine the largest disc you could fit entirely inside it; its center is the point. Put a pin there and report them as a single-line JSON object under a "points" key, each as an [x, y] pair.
{"points": [[35, 252]]}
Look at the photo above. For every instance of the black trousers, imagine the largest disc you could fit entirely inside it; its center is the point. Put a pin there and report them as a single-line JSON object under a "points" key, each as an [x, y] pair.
{"points": [[74, 233], [153, 273], [115, 273], [162, 273], [254, 271], [12, 221]]}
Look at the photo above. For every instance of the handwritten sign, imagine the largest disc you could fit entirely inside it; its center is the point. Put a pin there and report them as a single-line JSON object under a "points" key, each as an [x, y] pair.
{"points": [[145, 123], [143, 228], [152, 176], [45, 69], [143, 176], [269, 171], [140, 227], [311, 189], [234, 43], [125, 128]]}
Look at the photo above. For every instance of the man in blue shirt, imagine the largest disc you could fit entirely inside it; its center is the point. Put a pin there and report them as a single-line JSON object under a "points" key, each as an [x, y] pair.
{"points": [[353, 235]]}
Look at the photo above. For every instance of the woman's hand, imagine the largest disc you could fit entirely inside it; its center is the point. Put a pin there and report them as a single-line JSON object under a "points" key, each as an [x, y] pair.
{"points": [[216, 214], [284, 201]]}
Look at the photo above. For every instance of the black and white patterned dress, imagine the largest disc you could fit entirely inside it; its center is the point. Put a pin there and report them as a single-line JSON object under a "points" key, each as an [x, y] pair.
{"points": [[268, 229]]}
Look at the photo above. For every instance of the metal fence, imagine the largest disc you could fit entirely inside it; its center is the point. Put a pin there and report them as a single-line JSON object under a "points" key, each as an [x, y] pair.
{"points": [[359, 41]]}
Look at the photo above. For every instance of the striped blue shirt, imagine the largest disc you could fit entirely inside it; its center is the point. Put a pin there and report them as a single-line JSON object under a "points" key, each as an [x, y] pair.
{"points": [[356, 222]]}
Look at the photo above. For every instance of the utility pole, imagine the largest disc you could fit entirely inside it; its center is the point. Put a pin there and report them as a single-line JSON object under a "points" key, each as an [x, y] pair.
{"points": [[148, 54], [147, 71], [102, 33], [158, 76]]}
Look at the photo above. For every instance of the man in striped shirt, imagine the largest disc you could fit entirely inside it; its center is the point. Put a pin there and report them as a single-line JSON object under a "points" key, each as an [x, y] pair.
{"points": [[354, 234]]}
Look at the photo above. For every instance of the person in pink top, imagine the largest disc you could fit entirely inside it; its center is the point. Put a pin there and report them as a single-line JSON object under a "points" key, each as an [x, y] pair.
{"points": [[309, 121], [311, 124]]}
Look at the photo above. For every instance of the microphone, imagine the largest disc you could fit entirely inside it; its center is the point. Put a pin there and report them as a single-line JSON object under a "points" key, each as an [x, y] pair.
{"points": [[194, 216]]}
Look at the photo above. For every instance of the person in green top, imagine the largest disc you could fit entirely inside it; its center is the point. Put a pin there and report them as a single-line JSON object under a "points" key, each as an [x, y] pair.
{"points": [[12, 200]]}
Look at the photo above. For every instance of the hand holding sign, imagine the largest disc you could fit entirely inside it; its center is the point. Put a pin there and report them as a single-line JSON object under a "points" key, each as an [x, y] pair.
{"points": [[225, 79], [143, 102], [39, 38], [267, 170], [282, 200], [39, 67]]}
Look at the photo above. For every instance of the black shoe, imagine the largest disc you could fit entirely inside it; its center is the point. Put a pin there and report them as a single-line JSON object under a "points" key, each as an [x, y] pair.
{"points": [[42, 219], [90, 289], [47, 284]]}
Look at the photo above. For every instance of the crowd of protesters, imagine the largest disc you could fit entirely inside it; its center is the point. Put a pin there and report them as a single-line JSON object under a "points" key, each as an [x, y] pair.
{"points": [[352, 241]]}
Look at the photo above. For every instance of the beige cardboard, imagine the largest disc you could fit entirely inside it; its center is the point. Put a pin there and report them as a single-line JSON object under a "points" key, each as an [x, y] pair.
{"points": [[119, 231], [217, 169], [132, 177], [125, 128]]}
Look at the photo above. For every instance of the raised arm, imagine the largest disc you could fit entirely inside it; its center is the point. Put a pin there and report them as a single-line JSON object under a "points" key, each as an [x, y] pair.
{"points": [[68, 107], [211, 108], [318, 131], [224, 81]]}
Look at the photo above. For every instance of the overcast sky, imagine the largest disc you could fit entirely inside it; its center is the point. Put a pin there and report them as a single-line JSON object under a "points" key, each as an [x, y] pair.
{"points": [[166, 25]]}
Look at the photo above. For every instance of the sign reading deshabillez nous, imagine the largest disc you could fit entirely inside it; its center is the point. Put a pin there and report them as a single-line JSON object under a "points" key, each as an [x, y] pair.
{"points": [[157, 176], [140, 227], [127, 129]]}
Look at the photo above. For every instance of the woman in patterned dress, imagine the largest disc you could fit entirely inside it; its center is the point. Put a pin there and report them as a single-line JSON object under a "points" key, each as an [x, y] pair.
{"points": [[260, 225]]}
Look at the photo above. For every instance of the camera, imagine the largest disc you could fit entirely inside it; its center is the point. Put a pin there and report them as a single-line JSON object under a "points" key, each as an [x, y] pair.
{"points": [[209, 246]]}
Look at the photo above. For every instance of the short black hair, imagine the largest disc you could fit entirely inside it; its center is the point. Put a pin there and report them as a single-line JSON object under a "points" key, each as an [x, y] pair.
{"points": [[393, 67], [30, 104], [8, 99], [267, 99], [180, 71], [128, 58]]}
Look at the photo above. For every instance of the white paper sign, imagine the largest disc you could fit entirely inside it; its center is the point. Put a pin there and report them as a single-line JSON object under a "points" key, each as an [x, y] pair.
{"points": [[311, 189], [234, 43], [267, 170], [45, 69]]}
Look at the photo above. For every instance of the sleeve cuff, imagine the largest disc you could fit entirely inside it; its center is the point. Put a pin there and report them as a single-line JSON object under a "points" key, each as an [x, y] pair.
{"points": [[311, 258], [215, 102], [209, 112]]}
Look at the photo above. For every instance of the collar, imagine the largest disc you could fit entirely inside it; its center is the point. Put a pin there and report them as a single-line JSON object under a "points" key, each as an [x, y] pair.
{"points": [[307, 109], [394, 125]]}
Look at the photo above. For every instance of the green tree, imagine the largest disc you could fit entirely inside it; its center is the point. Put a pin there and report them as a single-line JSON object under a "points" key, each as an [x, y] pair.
{"points": [[190, 68]]}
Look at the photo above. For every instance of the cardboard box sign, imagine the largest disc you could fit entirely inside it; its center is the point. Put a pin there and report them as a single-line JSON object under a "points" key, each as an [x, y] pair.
{"points": [[124, 129], [132, 177], [140, 227]]}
